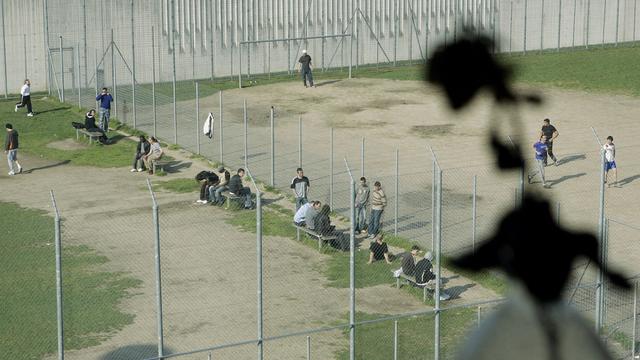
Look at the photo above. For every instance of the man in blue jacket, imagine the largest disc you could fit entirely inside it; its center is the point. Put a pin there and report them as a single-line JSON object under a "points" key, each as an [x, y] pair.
{"points": [[105, 108]]}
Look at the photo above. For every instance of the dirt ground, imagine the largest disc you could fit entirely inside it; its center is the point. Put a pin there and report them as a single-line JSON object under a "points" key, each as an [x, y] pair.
{"points": [[209, 275]]}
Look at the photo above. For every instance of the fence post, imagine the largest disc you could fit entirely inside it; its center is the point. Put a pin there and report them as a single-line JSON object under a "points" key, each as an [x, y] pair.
{"points": [[395, 340], [299, 141], [524, 32], [395, 222], [635, 11], [433, 205], [558, 212], [78, 75], [153, 80], [221, 130], [586, 43], [24, 44], [438, 272], [4, 51], [559, 23], [240, 65], [133, 65], [156, 227], [352, 272], [197, 119], [635, 319], [510, 27], [273, 147], [59, 304], [246, 130], [604, 20], [573, 37], [308, 347], [350, 55], [395, 33], [95, 63], [173, 59], [474, 218], [479, 315], [617, 20], [260, 272], [62, 67], [331, 167], [362, 157], [601, 225], [542, 27]]}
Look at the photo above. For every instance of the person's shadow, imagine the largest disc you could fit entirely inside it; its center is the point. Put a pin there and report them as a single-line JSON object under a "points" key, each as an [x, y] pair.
{"points": [[144, 351], [628, 180], [565, 178]]}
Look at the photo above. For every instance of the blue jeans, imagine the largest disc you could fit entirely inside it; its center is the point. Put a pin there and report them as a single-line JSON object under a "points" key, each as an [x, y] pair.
{"points": [[104, 119], [361, 218], [246, 192], [307, 76], [300, 201], [12, 156], [374, 222], [215, 193]]}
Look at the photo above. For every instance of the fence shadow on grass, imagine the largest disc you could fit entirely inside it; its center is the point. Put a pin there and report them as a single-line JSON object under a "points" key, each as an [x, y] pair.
{"points": [[135, 352]]}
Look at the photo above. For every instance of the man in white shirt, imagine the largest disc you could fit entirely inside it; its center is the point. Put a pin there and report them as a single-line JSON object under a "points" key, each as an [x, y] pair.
{"points": [[298, 218], [25, 95], [610, 161]]}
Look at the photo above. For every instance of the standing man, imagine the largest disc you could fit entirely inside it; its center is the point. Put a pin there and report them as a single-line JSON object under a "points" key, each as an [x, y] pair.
{"points": [[362, 201], [11, 149], [305, 67], [610, 161], [105, 108], [551, 134], [540, 148], [378, 202], [300, 187], [25, 98]]}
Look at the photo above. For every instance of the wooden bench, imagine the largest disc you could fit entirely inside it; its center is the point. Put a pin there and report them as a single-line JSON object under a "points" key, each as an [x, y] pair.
{"points": [[321, 238], [229, 197], [429, 287], [90, 134], [159, 164]]}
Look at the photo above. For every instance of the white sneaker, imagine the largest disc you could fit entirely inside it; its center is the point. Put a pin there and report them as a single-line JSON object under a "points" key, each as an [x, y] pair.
{"points": [[11, 173], [30, 114], [201, 201], [133, 170], [139, 169], [15, 109]]}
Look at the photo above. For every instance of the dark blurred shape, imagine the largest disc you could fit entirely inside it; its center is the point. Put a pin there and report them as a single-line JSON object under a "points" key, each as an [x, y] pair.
{"points": [[467, 66], [517, 248], [509, 157], [133, 352]]}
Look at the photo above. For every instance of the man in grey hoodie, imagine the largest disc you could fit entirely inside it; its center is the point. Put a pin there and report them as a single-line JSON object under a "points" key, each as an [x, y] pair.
{"points": [[378, 202], [362, 201]]}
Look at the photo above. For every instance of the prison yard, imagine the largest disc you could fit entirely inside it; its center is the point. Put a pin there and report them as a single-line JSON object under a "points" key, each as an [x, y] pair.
{"points": [[384, 123]]}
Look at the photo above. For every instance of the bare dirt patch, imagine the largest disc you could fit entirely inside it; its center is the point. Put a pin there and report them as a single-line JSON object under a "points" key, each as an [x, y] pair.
{"points": [[67, 144], [430, 131]]}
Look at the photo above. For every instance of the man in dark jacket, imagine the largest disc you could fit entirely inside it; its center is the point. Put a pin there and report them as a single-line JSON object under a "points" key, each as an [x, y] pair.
{"points": [[11, 149], [424, 269], [408, 262], [236, 187], [142, 149], [207, 179], [90, 125], [105, 100]]}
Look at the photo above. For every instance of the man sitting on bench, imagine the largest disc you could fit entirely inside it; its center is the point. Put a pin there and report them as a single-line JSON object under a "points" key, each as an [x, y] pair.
{"points": [[424, 269], [408, 261], [90, 126], [236, 187], [305, 214]]}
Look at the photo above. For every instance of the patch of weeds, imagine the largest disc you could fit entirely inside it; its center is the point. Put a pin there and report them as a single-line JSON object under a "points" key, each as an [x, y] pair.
{"points": [[431, 131], [174, 147]]}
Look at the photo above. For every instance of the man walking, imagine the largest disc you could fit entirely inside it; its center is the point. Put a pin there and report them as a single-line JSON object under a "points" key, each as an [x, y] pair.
{"points": [[305, 67], [300, 187], [551, 134], [11, 149], [610, 161], [105, 100], [25, 98], [540, 148], [362, 201], [378, 202]]}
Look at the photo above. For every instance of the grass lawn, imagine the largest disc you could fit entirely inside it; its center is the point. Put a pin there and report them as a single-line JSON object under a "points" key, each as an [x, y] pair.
{"points": [[52, 123], [415, 335], [28, 289]]}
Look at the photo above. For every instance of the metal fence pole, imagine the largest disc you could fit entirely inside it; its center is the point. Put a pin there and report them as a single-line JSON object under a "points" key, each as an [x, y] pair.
{"points": [[197, 118], [95, 63], [24, 44], [173, 60], [395, 340], [246, 131], [599, 289], [604, 20], [586, 43], [362, 157], [59, 304], [240, 66], [352, 272], [439, 268], [78, 76], [474, 217], [273, 147], [635, 320], [395, 33], [617, 20], [350, 56], [524, 32], [542, 27], [559, 23], [133, 65], [62, 68], [433, 206], [221, 130], [153, 80], [308, 347], [4, 52], [260, 271], [479, 315], [331, 168], [510, 27], [299, 141], [397, 197], [635, 11], [158, 268], [84, 32], [573, 38]]}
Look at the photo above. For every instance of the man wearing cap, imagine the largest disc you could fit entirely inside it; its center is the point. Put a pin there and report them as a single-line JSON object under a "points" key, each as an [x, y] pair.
{"points": [[305, 67], [215, 193]]}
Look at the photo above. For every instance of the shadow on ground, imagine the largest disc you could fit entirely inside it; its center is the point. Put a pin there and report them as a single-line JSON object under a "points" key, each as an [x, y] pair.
{"points": [[134, 352]]}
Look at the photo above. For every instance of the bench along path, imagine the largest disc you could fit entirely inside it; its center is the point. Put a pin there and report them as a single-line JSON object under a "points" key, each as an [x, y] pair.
{"points": [[90, 134]]}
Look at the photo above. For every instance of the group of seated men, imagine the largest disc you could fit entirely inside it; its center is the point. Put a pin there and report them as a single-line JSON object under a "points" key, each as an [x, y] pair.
{"points": [[422, 270], [214, 183], [315, 216]]}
